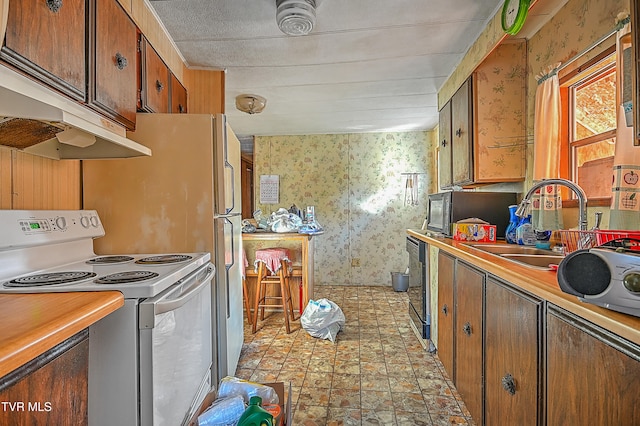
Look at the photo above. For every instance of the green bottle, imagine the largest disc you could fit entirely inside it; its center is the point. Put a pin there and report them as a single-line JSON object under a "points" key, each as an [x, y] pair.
{"points": [[255, 415]]}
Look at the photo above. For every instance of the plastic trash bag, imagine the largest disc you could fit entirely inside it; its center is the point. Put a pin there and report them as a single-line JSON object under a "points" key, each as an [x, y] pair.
{"points": [[232, 386], [223, 412], [322, 318]]}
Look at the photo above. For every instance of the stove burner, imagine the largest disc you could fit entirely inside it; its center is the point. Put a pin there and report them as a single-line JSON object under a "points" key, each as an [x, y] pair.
{"points": [[109, 260], [51, 278], [126, 277], [163, 259]]}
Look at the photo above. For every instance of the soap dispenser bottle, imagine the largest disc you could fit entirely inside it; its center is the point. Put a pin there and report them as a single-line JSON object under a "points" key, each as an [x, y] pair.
{"points": [[510, 234], [524, 232]]}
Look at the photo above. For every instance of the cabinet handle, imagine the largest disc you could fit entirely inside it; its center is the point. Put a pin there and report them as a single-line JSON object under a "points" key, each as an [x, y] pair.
{"points": [[159, 86], [467, 328], [445, 310], [180, 109], [509, 384], [54, 5], [444, 142], [459, 132], [121, 61]]}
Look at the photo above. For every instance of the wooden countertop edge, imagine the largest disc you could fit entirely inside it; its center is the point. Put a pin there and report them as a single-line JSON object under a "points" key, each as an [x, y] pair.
{"points": [[276, 236], [66, 314], [540, 283]]}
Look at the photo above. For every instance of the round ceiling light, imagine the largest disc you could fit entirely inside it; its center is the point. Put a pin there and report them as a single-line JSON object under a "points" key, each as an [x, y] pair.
{"points": [[296, 17], [251, 104]]}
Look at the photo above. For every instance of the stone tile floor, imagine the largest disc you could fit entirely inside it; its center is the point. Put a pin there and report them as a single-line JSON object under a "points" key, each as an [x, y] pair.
{"points": [[377, 372]]}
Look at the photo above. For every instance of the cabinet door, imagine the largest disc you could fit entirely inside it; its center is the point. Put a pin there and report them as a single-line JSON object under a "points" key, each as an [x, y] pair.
{"points": [[469, 292], [592, 375], [113, 68], [178, 96], [512, 356], [53, 387], [444, 148], [462, 136], [446, 265], [154, 82], [46, 39]]}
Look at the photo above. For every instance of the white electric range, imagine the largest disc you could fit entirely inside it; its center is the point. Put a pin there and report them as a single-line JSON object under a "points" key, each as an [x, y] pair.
{"points": [[150, 361]]}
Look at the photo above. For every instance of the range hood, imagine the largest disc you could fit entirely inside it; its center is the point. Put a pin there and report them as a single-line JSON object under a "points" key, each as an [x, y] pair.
{"points": [[39, 121]]}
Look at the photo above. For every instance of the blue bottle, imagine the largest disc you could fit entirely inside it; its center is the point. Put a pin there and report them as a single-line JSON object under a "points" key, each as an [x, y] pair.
{"points": [[510, 234], [524, 232]]}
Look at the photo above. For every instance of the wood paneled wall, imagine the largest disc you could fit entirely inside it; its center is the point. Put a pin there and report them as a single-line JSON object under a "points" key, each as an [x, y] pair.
{"points": [[36, 183]]}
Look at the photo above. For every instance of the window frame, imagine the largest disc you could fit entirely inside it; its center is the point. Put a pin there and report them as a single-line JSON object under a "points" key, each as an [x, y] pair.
{"points": [[566, 80]]}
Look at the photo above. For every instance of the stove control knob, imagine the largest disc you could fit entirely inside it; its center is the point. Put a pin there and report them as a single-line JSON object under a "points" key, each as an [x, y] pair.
{"points": [[632, 282], [61, 223], [84, 221], [94, 221]]}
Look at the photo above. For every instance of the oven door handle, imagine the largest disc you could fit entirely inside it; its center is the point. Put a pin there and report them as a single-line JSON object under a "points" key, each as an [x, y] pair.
{"points": [[150, 309], [192, 290]]}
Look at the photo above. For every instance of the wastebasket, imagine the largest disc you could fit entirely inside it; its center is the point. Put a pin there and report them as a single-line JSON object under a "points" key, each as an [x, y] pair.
{"points": [[399, 281]]}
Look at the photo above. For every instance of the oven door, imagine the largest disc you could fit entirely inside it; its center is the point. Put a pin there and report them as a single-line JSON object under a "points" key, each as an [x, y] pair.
{"points": [[175, 350], [417, 286]]}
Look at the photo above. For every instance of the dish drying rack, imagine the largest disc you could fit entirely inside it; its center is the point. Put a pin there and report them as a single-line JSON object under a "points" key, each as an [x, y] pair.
{"points": [[573, 240]]}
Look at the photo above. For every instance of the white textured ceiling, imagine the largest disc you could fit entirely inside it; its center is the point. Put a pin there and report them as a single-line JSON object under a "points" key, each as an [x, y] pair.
{"points": [[367, 66]]}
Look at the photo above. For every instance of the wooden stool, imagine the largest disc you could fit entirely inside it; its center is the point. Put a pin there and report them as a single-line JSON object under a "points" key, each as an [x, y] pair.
{"points": [[281, 279]]}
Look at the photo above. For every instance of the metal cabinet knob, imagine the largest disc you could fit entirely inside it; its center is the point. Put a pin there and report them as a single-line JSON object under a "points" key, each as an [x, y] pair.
{"points": [[445, 309], [159, 86], [121, 61], [467, 328], [444, 142], [54, 5], [509, 384], [459, 132]]}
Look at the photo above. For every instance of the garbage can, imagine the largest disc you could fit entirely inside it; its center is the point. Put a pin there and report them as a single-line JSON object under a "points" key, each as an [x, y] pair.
{"points": [[399, 281]]}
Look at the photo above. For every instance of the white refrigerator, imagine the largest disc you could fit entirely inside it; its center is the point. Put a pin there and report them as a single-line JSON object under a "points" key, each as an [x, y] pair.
{"points": [[186, 197]]}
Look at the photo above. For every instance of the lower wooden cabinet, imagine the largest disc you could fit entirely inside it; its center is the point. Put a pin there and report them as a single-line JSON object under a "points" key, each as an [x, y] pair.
{"points": [[469, 291], [593, 376], [513, 336], [446, 265], [52, 389]]}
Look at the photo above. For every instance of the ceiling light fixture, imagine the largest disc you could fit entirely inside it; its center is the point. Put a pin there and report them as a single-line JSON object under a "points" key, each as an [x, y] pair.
{"points": [[296, 17], [251, 104]]}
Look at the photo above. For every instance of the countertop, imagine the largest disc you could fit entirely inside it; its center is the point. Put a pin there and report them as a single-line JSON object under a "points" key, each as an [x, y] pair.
{"points": [[538, 282], [35, 323]]}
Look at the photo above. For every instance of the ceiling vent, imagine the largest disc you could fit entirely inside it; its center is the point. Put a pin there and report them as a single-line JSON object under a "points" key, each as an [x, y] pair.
{"points": [[296, 17]]}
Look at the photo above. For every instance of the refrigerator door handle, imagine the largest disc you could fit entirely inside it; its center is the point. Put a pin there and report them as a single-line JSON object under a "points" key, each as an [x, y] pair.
{"points": [[228, 266], [228, 165]]}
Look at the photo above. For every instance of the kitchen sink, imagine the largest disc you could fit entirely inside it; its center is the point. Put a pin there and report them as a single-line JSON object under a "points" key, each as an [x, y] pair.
{"points": [[526, 255], [535, 260], [511, 249]]}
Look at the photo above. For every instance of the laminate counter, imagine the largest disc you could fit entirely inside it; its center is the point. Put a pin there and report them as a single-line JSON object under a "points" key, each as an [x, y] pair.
{"points": [[35, 323], [541, 283]]}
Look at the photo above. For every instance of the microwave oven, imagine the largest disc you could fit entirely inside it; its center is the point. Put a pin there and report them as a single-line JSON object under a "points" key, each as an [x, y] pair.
{"points": [[446, 208]]}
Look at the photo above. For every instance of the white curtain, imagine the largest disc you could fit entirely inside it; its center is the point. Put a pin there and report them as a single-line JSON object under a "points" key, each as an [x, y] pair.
{"points": [[625, 192], [547, 203]]}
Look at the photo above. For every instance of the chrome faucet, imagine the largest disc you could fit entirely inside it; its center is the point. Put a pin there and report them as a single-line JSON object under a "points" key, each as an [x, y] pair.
{"points": [[582, 199]]}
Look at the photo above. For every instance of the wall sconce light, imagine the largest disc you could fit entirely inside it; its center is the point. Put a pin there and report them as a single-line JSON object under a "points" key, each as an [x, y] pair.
{"points": [[251, 104]]}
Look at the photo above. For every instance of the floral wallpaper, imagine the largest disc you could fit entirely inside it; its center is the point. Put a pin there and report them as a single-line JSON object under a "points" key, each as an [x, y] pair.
{"points": [[356, 184]]}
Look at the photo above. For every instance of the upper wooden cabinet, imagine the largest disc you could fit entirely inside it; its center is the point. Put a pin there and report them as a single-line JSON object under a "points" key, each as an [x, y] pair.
{"points": [[178, 98], [482, 127], [47, 40], [153, 80], [113, 63]]}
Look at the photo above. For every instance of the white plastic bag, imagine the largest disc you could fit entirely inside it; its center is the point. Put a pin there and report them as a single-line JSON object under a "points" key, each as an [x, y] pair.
{"points": [[322, 318], [231, 386]]}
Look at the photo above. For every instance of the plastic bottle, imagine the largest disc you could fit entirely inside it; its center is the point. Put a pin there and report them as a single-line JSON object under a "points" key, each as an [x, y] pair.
{"points": [[524, 232], [510, 234], [255, 415]]}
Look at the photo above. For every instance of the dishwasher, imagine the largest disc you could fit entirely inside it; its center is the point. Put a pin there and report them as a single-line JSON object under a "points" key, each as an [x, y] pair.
{"points": [[418, 292]]}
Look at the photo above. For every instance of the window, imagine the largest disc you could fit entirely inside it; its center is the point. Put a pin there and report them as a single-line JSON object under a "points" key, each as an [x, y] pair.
{"points": [[589, 112]]}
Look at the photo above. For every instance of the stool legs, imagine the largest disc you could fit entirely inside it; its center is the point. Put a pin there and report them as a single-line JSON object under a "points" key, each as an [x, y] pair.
{"points": [[285, 294]]}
